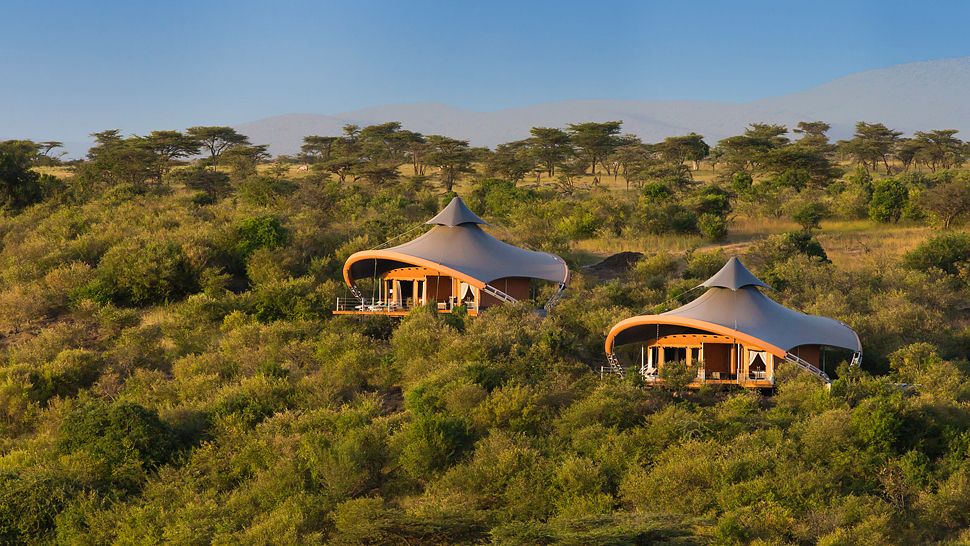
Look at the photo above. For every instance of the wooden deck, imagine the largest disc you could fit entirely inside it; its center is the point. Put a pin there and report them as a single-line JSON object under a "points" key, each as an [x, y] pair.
{"points": [[395, 313]]}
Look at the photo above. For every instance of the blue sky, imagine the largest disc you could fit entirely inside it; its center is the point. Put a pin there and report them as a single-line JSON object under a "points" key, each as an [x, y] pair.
{"points": [[71, 68]]}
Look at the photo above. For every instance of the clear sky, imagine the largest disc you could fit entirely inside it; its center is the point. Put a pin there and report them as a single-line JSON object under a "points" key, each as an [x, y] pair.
{"points": [[70, 67]]}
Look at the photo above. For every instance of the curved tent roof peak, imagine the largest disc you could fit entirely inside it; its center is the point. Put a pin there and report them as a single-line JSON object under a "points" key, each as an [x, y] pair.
{"points": [[456, 214], [734, 276], [457, 246]]}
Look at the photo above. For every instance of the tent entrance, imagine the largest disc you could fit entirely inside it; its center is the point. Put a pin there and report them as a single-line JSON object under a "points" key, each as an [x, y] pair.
{"points": [[757, 367], [717, 362]]}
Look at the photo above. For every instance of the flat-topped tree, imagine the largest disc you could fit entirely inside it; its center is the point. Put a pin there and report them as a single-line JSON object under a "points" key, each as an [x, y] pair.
{"points": [[217, 139], [813, 135], [939, 149], [871, 143], [511, 161], [451, 156], [170, 145], [678, 149], [317, 148], [595, 140], [551, 147]]}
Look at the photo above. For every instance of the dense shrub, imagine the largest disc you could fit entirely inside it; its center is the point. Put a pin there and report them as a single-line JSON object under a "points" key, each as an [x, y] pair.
{"points": [[123, 439], [133, 410], [712, 226], [810, 215], [29, 502], [263, 190], [259, 232], [143, 274], [948, 253], [889, 199]]}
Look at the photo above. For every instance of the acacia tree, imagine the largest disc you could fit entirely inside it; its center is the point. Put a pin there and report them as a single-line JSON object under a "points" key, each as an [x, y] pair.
{"points": [[417, 147], [383, 149], [243, 159], [117, 160], [551, 148], [44, 154], [317, 148], [512, 161], [344, 154], [938, 149], [595, 141], [871, 143], [949, 200], [47, 146], [384, 143], [217, 140], [168, 146], [797, 165], [633, 158], [813, 134], [678, 149], [19, 185], [452, 157], [748, 150], [908, 151]]}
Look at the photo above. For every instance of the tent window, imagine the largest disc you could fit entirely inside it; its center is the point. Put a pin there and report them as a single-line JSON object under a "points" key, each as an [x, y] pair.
{"points": [[675, 354], [756, 365]]}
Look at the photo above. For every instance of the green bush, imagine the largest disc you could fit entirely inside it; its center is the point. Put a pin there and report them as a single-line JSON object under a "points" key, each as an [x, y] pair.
{"points": [[712, 227], [71, 371], [889, 199], [948, 252], [259, 232], [19, 185], [254, 400], [288, 299], [125, 438], [142, 274], [810, 215], [29, 502], [263, 191]]}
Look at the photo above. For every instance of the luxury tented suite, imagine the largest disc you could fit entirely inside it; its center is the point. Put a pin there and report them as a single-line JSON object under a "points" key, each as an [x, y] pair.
{"points": [[454, 264], [733, 333]]}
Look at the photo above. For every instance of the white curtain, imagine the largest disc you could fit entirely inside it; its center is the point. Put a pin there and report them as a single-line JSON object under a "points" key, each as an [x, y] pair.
{"points": [[755, 354], [463, 290]]}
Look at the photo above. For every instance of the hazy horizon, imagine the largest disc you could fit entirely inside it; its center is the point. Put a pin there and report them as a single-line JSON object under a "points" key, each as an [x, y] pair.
{"points": [[144, 67]]}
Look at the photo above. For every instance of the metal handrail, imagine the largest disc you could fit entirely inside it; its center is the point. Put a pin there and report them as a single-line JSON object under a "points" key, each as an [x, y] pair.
{"points": [[613, 367], [808, 366], [375, 305]]}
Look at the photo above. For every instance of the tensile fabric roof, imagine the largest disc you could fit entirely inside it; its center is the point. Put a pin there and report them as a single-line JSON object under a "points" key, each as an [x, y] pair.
{"points": [[734, 306], [459, 247]]}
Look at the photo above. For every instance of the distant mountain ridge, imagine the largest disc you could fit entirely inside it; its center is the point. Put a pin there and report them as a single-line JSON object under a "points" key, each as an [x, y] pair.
{"points": [[909, 97]]}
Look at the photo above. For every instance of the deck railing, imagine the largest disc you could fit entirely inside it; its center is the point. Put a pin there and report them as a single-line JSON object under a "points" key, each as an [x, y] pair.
{"points": [[374, 305]]}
